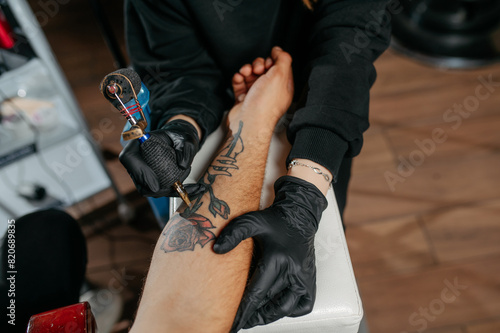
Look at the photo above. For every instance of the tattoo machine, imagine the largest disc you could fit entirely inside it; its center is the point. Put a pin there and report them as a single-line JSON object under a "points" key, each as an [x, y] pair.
{"points": [[121, 89]]}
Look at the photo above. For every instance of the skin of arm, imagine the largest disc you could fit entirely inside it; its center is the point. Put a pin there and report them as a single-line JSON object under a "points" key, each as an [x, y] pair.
{"points": [[189, 288]]}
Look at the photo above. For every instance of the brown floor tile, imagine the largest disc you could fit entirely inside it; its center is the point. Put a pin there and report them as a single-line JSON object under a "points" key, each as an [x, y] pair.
{"points": [[367, 205], [453, 329], [125, 232], [390, 304], [124, 280], [430, 186], [465, 232], [488, 326], [98, 252], [410, 93], [371, 199], [121, 176], [103, 277], [127, 275], [133, 248], [388, 247], [410, 76], [87, 206], [423, 107], [376, 153], [124, 183], [474, 137], [119, 245], [449, 184]]}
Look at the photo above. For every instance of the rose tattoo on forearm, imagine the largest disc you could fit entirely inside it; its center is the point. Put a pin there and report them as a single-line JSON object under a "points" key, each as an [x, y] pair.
{"points": [[188, 228]]}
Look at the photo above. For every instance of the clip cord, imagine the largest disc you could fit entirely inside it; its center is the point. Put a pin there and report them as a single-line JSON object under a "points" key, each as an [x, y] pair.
{"points": [[126, 112]]}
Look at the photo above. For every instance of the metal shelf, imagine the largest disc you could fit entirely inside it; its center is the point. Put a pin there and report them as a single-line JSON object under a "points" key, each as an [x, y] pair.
{"points": [[63, 158]]}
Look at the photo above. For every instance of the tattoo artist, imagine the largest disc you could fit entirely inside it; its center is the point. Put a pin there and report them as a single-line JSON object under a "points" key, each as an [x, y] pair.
{"points": [[186, 51]]}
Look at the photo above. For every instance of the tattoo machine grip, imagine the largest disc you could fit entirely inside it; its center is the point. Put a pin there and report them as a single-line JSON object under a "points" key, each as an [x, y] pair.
{"points": [[158, 155]]}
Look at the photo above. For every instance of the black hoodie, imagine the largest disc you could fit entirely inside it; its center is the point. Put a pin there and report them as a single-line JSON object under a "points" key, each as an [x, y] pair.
{"points": [[186, 52]]}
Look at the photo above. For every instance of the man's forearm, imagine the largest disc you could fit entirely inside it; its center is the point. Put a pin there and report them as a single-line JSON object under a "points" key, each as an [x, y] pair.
{"points": [[189, 288]]}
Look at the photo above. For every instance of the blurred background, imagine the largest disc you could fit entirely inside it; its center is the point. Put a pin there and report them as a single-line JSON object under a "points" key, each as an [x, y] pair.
{"points": [[424, 203]]}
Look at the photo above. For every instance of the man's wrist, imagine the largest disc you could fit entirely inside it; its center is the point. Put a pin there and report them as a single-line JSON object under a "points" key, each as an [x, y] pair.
{"points": [[311, 172], [262, 128]]}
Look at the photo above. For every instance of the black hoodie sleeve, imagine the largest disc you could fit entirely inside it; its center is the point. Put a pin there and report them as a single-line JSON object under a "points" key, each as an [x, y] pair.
{"points": [[346, 38], [166, 51]]}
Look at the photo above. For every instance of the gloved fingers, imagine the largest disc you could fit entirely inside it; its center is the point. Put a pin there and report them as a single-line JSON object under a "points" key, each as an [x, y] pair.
{"points": [[304, 306], [159, 191], [194, 190], [143, 176], [256, 293], [255, 320], [276, 291], [281, 284], [184, 152], [183, 137], [239, 229], [185, 155], [306, 287], [277, 308], [185, 174], [131, 156]]}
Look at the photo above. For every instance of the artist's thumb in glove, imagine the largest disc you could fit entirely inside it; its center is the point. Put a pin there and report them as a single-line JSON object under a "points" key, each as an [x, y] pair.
{"points": [[177, 139], [145, 178], [185, 141], [239, 229], [142, 175]]}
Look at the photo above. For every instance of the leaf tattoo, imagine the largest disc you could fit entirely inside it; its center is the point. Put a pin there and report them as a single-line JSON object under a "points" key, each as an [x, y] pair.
{"points": [[188, 228]]}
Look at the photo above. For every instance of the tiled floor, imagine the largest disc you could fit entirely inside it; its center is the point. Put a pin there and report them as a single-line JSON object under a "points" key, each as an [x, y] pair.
{"points": [[424, 205]]}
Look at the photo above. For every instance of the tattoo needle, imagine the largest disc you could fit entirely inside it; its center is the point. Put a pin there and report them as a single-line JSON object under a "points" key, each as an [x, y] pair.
{"points": [[182, 192]]}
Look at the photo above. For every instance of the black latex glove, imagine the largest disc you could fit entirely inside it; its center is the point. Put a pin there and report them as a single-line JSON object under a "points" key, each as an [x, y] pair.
{"points": [[183, 138], [284, 280]]}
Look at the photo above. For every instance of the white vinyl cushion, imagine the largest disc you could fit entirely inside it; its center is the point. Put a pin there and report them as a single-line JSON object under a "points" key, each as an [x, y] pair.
{"points": [[338, 305]]}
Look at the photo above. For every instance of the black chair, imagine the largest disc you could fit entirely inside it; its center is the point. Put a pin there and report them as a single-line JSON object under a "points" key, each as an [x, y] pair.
{"points": [[449, 33]]}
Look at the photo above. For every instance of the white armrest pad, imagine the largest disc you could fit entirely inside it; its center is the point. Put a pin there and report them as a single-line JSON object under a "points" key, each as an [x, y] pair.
{"points": [[338, 305]]}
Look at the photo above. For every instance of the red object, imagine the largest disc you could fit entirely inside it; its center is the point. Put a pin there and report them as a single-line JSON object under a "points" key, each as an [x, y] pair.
{"points": [[70, 319], [6, 40]]}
